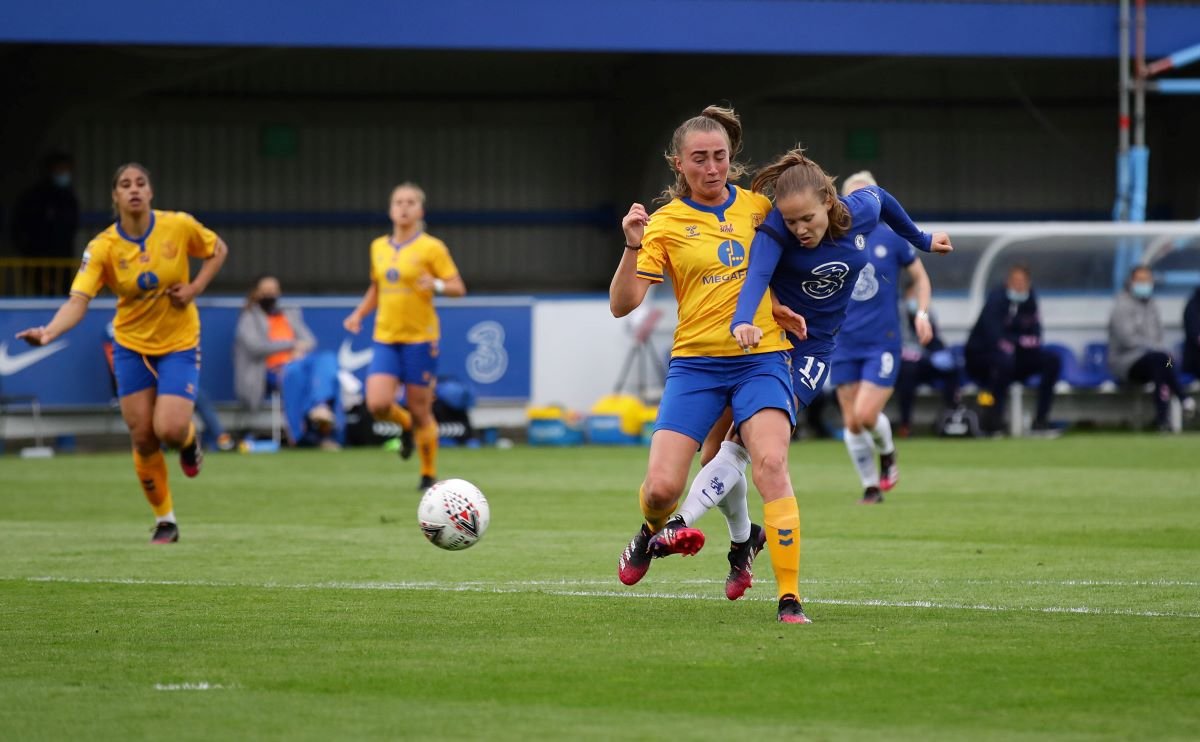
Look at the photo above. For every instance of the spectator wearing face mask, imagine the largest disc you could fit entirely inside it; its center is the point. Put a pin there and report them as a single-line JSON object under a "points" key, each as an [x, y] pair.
{"points": [[1137, 351], [1005, 346], [46, 218], [274, 351], [46, 215]]}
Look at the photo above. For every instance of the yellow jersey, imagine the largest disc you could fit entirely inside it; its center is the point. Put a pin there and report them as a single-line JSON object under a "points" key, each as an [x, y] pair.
{"points": [[405, 312], [705, 251], [139, 271]]}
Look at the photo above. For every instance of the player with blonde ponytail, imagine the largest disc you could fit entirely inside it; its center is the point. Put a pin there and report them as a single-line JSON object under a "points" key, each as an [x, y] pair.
{"points": [[809, 251]]}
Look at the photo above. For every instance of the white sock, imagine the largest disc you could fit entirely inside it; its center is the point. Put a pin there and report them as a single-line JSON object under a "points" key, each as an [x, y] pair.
{"points": [[882, 433], [862, 454], [714, 482], [736, 511], [168, 518]]}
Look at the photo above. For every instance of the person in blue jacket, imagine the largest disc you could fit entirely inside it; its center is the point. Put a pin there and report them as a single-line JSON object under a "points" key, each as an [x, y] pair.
{"points": [[1005, 346]]}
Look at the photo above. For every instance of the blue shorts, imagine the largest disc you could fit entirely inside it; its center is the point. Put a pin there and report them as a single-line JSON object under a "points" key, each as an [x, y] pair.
{"points": [[699, 389], [810, 371], [177, 373], [879, 366], [411, 363]]}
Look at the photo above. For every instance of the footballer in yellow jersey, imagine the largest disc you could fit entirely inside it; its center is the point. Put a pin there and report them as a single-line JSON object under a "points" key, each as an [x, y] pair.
{"points": [[704, 251], [405, 313], [139, 270], [701, 239], [408, 269], [143, 259]]}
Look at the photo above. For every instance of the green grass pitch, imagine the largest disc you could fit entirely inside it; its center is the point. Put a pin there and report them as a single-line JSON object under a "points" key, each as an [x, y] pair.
{"points": [[1012, 589]]}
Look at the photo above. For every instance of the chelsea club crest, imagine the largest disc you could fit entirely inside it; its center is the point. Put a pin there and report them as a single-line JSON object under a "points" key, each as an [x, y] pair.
{"points": [[860, 241]]}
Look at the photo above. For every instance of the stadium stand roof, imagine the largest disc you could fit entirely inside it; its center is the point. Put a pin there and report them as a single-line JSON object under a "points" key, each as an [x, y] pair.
{"points": [[1013, 28]]}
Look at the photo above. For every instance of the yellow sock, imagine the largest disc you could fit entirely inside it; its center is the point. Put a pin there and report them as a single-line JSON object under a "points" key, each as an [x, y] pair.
{"points": [[152, 473], [191, 435], [426, 438], [782, 519], [656, 519], [400, 416]]}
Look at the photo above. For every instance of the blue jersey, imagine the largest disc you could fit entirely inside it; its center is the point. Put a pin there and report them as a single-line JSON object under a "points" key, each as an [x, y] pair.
{"points": [[873, 315], [816, 282]]}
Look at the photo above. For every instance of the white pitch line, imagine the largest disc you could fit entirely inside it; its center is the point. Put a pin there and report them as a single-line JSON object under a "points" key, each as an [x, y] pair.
{"points": [[540, 587], [191, 686], [416, 584]]}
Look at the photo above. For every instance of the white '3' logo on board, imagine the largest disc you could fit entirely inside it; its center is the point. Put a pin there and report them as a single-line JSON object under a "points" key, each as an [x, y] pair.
{"points": [[488, 362]]}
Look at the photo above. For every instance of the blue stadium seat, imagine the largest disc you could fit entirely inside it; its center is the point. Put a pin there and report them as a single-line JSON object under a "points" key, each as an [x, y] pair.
{"points": [[1184, 377], [959, 352], [1095, 365], [1072, 371]]}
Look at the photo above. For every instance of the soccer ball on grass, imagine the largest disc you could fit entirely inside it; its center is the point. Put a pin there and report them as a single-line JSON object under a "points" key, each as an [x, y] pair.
{"points": [[453, 514]]}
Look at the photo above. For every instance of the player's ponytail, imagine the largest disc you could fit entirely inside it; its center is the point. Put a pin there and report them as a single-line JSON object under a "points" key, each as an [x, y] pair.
{"points": [[713, 118], [793, 173]]}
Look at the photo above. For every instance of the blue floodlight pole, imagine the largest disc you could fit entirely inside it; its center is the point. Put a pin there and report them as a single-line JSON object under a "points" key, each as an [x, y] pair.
{"points": [[1133, 166], [1122, 207], [1133, 159], [1139, 154], [1121, 204]]}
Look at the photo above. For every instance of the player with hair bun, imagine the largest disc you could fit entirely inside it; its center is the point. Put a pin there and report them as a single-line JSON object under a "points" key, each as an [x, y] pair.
{"points": [[700, 238], [808, 252]]}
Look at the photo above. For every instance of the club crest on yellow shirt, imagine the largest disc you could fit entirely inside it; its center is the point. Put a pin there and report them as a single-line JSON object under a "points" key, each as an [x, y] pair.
{"points": [[147, 281]]}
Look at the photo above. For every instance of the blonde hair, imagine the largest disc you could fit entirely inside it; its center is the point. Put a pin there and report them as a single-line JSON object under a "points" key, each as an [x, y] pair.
{"points": [[420, 197], [411, 186], [863, 177], [713, 118], [794, 173]]}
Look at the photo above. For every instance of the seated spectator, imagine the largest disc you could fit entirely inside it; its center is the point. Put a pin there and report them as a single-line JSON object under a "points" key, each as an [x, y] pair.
{"points": [[1191, 335], [932, 364], [1005, 346], [274, 350], [1137, 351]]}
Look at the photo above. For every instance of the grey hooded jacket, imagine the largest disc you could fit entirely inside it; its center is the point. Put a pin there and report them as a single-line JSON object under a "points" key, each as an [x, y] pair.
{"points": [[1134, 329], [252, 347]]}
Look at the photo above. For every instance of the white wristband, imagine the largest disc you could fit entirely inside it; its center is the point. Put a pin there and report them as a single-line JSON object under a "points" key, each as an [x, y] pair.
{"points": [[922, 314], [439, 286]]}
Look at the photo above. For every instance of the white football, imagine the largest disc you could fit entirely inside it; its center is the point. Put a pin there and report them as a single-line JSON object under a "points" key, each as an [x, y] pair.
{"points": [[453, 514]]}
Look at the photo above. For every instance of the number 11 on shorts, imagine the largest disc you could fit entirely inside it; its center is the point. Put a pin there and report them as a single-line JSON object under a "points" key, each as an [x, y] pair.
{"points": [[810, 380]]}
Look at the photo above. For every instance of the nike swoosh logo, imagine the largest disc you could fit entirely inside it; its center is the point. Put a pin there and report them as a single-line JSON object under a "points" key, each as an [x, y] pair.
{"points": [[352, 360], [10, 365]]}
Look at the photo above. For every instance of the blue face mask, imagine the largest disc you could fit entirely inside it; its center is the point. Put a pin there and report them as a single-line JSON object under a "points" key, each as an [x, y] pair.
{"points": [[62, 180], [1142, 290], [1017, 297]]}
